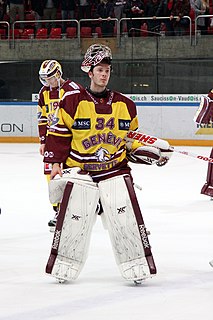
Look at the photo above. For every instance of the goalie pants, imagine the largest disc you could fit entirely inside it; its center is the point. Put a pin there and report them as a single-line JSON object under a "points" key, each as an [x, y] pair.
{"points": [[122, 218]]}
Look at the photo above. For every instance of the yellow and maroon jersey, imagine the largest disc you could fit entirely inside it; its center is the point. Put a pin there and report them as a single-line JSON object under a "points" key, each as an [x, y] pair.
{"points": [[49, 99], [88, 132]]}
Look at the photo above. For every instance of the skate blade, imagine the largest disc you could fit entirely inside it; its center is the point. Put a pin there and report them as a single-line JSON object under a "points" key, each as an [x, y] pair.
{"points": [[138, 282], [61, 280]]}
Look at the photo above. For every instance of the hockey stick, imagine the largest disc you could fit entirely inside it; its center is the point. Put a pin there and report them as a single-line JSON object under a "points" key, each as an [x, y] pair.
{"points": [[160, 143]]}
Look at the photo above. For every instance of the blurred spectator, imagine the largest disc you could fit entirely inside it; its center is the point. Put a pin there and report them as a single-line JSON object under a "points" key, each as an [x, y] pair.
{"points": [[16, 8], [134, 9], [164, 10], [4, 90], [67, 12], [84, 9], [152, 10], [3, 5], [37, 8], [105, 10], [181, 8], [50, 11], [201, 7], [119, 12]]}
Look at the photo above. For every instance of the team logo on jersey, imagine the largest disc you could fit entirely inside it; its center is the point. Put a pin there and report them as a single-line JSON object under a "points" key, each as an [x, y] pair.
{"points": [[102, 155], [82, 124], [124, 124], [52, 120]]}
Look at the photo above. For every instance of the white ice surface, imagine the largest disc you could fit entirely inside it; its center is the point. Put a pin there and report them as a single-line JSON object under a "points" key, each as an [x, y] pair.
{"points": [[181, 223]]}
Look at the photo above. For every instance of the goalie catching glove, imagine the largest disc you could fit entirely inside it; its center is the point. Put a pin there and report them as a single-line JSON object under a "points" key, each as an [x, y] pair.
{"points": [[149, 155], [144, 155]]}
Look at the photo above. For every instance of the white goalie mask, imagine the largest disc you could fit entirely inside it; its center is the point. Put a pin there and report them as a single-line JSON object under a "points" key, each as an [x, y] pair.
{"points": [[94, 55], [49, 69]]}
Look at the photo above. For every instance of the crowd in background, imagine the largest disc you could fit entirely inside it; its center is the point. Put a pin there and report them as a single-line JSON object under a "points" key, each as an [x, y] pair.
{"points": [[174, 10]]}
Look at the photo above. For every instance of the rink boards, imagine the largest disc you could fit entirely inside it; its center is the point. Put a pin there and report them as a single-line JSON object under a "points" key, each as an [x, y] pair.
{"points": [[166, 116]]}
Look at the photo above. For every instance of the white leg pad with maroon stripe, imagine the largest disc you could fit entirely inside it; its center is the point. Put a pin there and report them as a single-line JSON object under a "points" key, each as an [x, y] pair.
{"points": [[73, 230], [57, 185], [124, 221]]}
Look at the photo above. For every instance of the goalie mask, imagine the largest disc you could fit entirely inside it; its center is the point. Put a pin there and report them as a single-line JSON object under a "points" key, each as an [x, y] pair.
{"points": [[94, 55], [49, 69]]}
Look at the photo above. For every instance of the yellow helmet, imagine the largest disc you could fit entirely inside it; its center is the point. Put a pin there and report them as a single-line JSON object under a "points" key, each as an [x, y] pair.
{"points": [[94, 55], [49, 69]]}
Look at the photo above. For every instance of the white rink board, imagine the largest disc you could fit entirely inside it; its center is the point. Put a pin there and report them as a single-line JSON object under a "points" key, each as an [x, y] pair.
{"points": [[166, 116], [18, 120]]}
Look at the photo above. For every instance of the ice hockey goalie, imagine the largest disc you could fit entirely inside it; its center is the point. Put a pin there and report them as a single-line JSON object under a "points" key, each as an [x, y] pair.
{"points": [[204, 115]]}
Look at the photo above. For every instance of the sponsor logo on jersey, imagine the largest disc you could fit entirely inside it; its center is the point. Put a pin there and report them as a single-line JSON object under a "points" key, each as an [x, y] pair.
{"points": [[82, 124], [124, 124]]}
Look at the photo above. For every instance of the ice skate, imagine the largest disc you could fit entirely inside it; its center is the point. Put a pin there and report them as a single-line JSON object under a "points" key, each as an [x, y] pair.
{"points": [[138, 282], [52, 222]]}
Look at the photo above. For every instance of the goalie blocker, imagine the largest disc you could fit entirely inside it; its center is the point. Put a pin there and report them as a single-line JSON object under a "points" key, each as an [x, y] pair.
{"points": [[121, 216]]}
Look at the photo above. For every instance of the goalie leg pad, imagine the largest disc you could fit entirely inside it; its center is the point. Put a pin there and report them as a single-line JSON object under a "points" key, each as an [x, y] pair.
{"points": [[57, 185], [207, 189], [73, 230], [122, 215]]}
